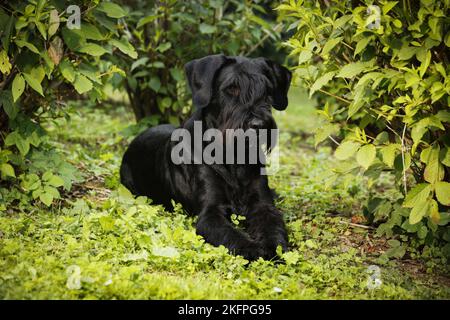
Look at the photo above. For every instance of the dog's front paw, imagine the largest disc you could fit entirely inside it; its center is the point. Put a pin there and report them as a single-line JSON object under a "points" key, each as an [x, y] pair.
{"points": [[270, 247], [250, 250]]}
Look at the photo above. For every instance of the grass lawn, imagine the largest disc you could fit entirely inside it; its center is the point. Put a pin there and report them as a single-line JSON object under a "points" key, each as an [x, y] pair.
{"points": [[98, 242]]}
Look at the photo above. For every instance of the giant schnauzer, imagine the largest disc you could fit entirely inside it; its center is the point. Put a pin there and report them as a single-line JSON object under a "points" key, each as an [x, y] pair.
{"points": [[228, 93]]}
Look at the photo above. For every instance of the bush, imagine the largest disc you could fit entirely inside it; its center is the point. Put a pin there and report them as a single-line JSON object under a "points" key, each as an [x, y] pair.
{"points": [[43, 62], [167, 34], [380, 70]]}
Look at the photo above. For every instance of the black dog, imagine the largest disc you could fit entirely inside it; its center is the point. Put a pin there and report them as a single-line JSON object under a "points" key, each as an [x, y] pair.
{"points": [[228, 93]]}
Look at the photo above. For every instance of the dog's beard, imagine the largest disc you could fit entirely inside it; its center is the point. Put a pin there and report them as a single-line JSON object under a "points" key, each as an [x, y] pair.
{"points": [[246, 141]]}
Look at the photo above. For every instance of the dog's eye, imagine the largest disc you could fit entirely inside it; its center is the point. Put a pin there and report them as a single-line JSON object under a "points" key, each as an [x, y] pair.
{"points": [[233, 91]]}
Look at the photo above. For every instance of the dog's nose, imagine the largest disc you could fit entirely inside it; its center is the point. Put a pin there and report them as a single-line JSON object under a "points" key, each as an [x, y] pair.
{"points": [[256, 124]]}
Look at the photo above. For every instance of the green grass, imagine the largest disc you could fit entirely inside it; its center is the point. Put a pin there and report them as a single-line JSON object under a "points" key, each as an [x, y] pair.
{"points": [[98, 242]]}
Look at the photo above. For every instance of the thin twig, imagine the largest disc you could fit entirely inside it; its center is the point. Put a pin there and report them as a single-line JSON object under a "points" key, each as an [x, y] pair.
{"points": [[403, 160], [356, 225], [335, 96], [332, 139]]}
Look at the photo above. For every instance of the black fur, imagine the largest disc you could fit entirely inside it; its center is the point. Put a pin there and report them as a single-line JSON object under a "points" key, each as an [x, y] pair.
{"points": [[228, 93]]}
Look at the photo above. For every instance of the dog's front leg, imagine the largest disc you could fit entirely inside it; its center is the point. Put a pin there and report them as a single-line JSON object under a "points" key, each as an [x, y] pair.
{"points": [[265, 225], [213, 225]]}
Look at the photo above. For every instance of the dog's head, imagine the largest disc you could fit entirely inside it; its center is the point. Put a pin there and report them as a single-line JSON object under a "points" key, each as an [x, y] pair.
{"points": [[238, 92]]}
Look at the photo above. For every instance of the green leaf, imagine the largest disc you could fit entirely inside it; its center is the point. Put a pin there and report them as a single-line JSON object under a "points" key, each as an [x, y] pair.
{"points": [[381, 138], [53, 23], [111, 9], [443, 116], [107, 223], [28, 45], [23, 145], [157, 64], [388, 154], [444, 156], [31, 182], [419, 130], [163, 47], [11, 138], [366, 155], [116, 69], [41, 28], [330, 44], [125, 196], [346, 150], [6, 100], [393, 243], [447, 39], [388, 6], [92, 49], [406, 52], [434, 171], [424, 65], [421, 209], [82, 84], [7, 170], [145, 20], [400, 160], [165, 103], [14, 138], [139, 62], [397, 23], [18, 86], [353, 69], [176, 74], [91, 75], [354, 107], [207, 29], [291, 257], [154, 83], [47, 175], [38, 73], [46, 198], [72, 38], [304, 56], [89, 31], [434, 212], [417, 194], [52, 191], [396, 252], [442, 189], [55, 181], [435, 24], [5, 65], [67, 70], [321, 81], [33, 83], [125, 47], [361, 45]]}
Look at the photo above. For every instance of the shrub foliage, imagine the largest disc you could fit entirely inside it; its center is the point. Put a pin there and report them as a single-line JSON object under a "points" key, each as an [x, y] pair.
{"points": [[47, 57], [380, 70]]}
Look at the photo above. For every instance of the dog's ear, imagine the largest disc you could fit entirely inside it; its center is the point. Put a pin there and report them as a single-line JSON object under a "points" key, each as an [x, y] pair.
{"points": [[281, 80], [200, 74]]}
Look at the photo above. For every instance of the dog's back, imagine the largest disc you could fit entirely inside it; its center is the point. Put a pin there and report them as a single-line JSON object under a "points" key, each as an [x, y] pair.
{"points": [[143, 156]]}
